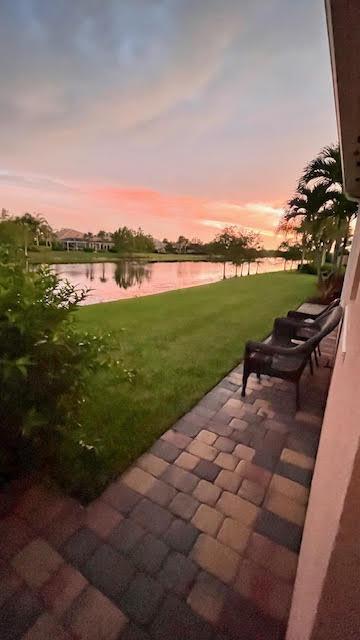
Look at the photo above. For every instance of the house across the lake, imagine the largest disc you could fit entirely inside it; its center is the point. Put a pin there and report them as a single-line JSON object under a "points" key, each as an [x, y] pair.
{"points": [[73, 240]]}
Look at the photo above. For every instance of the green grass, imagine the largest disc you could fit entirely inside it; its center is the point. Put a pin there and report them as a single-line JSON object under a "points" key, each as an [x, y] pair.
{"points": [[46, 256], [181, 343]]}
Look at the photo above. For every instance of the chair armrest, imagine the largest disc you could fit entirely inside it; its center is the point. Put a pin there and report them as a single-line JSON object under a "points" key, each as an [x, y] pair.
{"points": [[269, 349], [300, 316]]}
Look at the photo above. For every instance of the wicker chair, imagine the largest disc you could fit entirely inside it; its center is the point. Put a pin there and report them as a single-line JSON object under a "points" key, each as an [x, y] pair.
{"points": [[310, 317], [309, 324], [279, 357]]}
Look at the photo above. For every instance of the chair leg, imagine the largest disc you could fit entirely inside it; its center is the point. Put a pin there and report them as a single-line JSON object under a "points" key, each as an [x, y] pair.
{"points": [[311, 365], [316, 358], [245, 378], [319, 349], [258, 377], [297, 395]]}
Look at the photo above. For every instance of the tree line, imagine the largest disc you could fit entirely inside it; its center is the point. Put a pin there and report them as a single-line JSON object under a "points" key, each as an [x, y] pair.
{"points": [[32, 231]]}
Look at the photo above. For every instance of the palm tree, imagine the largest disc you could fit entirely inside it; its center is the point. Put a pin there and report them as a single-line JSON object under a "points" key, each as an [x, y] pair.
{"points": [[313, 205], [326, 170]]}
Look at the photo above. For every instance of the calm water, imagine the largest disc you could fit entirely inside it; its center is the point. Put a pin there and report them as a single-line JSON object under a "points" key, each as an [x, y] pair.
{"points": [[118, 281]]}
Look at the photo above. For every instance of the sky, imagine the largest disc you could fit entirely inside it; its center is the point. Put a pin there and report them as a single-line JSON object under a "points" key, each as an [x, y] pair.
{"points": [[179, 116]]}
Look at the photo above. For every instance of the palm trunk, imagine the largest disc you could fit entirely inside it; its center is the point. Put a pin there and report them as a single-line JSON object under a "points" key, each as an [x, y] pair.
{"points": [[345, 241], [318, 265], [236, 268], [336, 254], [224, 276], [249, 268]]}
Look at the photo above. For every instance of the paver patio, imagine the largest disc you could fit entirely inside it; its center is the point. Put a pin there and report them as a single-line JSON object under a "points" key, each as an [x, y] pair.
{"points": [[198, 540]]}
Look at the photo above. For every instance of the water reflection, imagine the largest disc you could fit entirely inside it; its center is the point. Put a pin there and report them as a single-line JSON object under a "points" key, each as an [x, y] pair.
{"points": [[89, 271], [127, 279], [103, 277], [129, 274]]}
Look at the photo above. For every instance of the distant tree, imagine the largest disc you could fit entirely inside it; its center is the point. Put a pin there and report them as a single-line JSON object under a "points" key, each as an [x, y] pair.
{"points": [[169, 246], [222, 243], [196, 246], [182, 243], [129, 241], [143, 242], [237, 249], [123, 240], [236, 246], [31, 226], [253, 248], [289, 251]]}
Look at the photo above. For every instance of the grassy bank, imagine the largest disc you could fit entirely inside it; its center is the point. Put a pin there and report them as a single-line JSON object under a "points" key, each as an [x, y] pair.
{"points": [[181, 343], [72, 257]]}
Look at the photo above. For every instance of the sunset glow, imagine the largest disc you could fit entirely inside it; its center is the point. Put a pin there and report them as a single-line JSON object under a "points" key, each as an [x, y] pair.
{"points": [[179, 117]]}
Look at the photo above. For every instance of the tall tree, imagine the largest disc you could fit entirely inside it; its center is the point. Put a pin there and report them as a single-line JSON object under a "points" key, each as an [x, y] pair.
{"points": [[325, 169], [313, 206], [319, 212]]}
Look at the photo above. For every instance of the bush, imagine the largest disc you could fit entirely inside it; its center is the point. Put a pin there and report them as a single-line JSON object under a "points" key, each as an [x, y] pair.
{"points": [[329, 287], [310, 268], [57, 246], [46, 363], [88, 249]]}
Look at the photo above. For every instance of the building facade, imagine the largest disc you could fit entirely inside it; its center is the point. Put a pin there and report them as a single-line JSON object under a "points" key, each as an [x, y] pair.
{"points": [[325, 604]]}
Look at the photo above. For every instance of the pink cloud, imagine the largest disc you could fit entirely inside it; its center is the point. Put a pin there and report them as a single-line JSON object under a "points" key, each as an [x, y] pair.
{"points": [[89, 207]]}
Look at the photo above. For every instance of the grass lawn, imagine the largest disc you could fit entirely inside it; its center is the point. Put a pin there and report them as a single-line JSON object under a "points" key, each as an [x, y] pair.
{"points": [[46, 256], [181, 343]]}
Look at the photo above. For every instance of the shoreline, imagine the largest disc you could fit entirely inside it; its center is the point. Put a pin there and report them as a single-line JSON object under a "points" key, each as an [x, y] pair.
{"points": [[80, 257]]}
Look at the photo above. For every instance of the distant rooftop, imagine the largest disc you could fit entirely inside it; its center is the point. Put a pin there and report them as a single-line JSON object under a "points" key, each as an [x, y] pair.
{"points": [[69, 233]]}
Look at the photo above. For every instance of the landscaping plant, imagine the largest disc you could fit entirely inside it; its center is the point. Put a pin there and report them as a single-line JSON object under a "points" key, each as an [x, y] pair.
{"points": [[46, 364]]}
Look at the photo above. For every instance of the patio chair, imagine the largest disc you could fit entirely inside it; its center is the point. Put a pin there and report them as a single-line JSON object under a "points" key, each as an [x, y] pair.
{"points": [[310, 317], [279, 357], [308, 325]]}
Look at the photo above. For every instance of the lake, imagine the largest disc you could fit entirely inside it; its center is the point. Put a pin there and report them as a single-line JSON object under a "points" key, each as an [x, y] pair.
{"points": [[127, 279]]}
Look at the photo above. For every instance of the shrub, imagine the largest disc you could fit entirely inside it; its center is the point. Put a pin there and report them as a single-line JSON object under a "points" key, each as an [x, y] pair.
{"points": [[57, 246], [310, 268], [329, 287], [45, 365]]}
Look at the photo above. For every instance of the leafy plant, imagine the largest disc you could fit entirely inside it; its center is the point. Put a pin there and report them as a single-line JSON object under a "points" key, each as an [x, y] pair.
{"points": [[46, 363]]}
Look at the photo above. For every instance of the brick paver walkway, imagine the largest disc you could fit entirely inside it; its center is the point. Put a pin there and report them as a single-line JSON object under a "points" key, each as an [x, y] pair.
{"points": [[197, 541]]}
